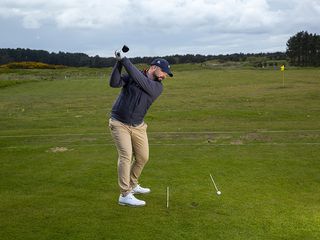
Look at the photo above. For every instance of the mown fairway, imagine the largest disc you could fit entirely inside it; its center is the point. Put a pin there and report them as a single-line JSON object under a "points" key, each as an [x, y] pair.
{"points": [[260, 141]]}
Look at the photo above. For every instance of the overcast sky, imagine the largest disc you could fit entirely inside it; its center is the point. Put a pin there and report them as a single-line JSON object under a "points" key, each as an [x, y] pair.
{"points": [[156, 27]]}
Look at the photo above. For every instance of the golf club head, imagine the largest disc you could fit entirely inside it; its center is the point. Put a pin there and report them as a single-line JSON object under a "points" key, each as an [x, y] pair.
{"points": [[125, 48]]}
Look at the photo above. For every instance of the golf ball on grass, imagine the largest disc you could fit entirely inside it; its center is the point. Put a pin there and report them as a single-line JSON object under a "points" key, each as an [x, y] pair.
{"points": [[219, 193]]}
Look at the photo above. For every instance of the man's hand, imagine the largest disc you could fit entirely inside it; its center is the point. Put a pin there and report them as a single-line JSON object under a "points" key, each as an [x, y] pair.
{"points": [[117, 55]]}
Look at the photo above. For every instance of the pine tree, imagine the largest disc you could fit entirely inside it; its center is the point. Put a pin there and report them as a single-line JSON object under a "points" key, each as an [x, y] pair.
{"points": [[303, 49]]}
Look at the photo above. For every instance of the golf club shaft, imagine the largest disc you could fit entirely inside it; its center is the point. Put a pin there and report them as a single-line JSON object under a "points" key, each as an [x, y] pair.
{"points": [[167, 197], [214, 183]]}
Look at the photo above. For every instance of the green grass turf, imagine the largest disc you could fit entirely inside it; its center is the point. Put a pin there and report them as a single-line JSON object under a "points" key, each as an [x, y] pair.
{"points": [[260, 141]]}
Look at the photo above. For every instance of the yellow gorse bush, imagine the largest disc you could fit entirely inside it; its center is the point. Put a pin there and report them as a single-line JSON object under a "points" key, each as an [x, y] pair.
{"points": [[31, 65]]}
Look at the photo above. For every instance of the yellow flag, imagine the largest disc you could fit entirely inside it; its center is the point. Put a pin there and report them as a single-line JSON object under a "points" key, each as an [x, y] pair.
{"points": [[282, 68]]}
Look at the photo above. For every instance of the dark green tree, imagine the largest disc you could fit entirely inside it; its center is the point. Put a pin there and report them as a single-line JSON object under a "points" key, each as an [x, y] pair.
{"points": [[303, 49]]}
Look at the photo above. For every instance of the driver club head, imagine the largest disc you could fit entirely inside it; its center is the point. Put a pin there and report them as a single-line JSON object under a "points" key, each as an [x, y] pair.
{"points": [[125, 48]]}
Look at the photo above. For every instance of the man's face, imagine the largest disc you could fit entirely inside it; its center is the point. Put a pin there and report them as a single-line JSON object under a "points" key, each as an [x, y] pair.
{"points": [[158, 73]]}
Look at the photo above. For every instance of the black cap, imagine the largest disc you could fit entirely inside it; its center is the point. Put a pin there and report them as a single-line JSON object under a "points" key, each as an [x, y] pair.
{"points": [[163, 64]]}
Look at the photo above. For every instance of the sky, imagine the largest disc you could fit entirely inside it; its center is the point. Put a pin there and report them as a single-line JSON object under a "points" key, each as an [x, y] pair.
{"points": [[155, 27]]}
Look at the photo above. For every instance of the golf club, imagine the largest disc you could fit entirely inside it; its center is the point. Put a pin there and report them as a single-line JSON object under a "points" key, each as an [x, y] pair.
{"points": [[215, 186], [125, 48]]}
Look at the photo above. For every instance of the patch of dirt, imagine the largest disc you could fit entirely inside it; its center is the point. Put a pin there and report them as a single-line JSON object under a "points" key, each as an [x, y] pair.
{"points": [[194, 204], [309, 136], [236, 142], [256, 137], [59, 149]]}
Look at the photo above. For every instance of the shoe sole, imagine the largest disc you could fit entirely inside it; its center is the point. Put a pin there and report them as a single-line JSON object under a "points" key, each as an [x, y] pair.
{"points": [[130, 205]]}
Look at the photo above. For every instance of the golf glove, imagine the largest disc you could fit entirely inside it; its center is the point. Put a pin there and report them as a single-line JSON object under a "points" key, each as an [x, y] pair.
{"points": [[117, 55]]}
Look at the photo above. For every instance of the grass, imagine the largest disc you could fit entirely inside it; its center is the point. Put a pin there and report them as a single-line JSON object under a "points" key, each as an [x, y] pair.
{"points": [[260, 141]]}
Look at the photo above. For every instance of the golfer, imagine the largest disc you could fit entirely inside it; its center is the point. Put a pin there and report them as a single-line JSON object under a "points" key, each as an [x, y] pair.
{"points": [[128, 129]]}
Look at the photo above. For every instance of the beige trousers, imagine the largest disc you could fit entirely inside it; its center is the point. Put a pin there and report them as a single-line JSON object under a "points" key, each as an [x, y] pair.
{"points": [[133, 152]]}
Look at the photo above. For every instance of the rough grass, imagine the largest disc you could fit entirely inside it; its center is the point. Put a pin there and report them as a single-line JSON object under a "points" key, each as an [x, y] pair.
{"points": [[260, 141]]}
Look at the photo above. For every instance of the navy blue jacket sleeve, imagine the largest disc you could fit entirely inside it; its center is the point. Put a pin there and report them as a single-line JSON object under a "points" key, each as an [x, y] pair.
{"points": [[151, 87], [116, 80]]}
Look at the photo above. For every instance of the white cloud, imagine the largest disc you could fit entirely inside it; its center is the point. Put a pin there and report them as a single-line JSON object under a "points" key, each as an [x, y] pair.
{"points": [[65, 14], [92, 14], [172, 26], [233, 14], [227, 15]]}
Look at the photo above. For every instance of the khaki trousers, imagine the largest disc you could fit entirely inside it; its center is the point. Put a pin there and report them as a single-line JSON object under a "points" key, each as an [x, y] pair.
{"points": [[133, 152]]}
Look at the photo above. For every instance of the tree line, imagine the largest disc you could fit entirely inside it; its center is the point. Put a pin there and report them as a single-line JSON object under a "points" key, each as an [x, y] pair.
{"points": [[303, 49], [8, 55]]}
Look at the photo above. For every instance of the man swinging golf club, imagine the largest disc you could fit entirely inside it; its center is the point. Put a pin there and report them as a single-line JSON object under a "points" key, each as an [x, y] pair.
{"points": [[128, 129]]}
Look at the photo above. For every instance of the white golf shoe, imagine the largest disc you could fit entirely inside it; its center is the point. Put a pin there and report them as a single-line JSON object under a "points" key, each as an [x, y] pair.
{"points": [[130, 200], [140, 190]]}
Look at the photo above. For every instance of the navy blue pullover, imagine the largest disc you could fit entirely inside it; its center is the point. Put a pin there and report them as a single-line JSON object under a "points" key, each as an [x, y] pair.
{"points": [[137, 94]]}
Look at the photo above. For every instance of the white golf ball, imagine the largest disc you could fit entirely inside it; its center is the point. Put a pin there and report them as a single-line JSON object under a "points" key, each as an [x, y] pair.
{"points": [[219, 193]]}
